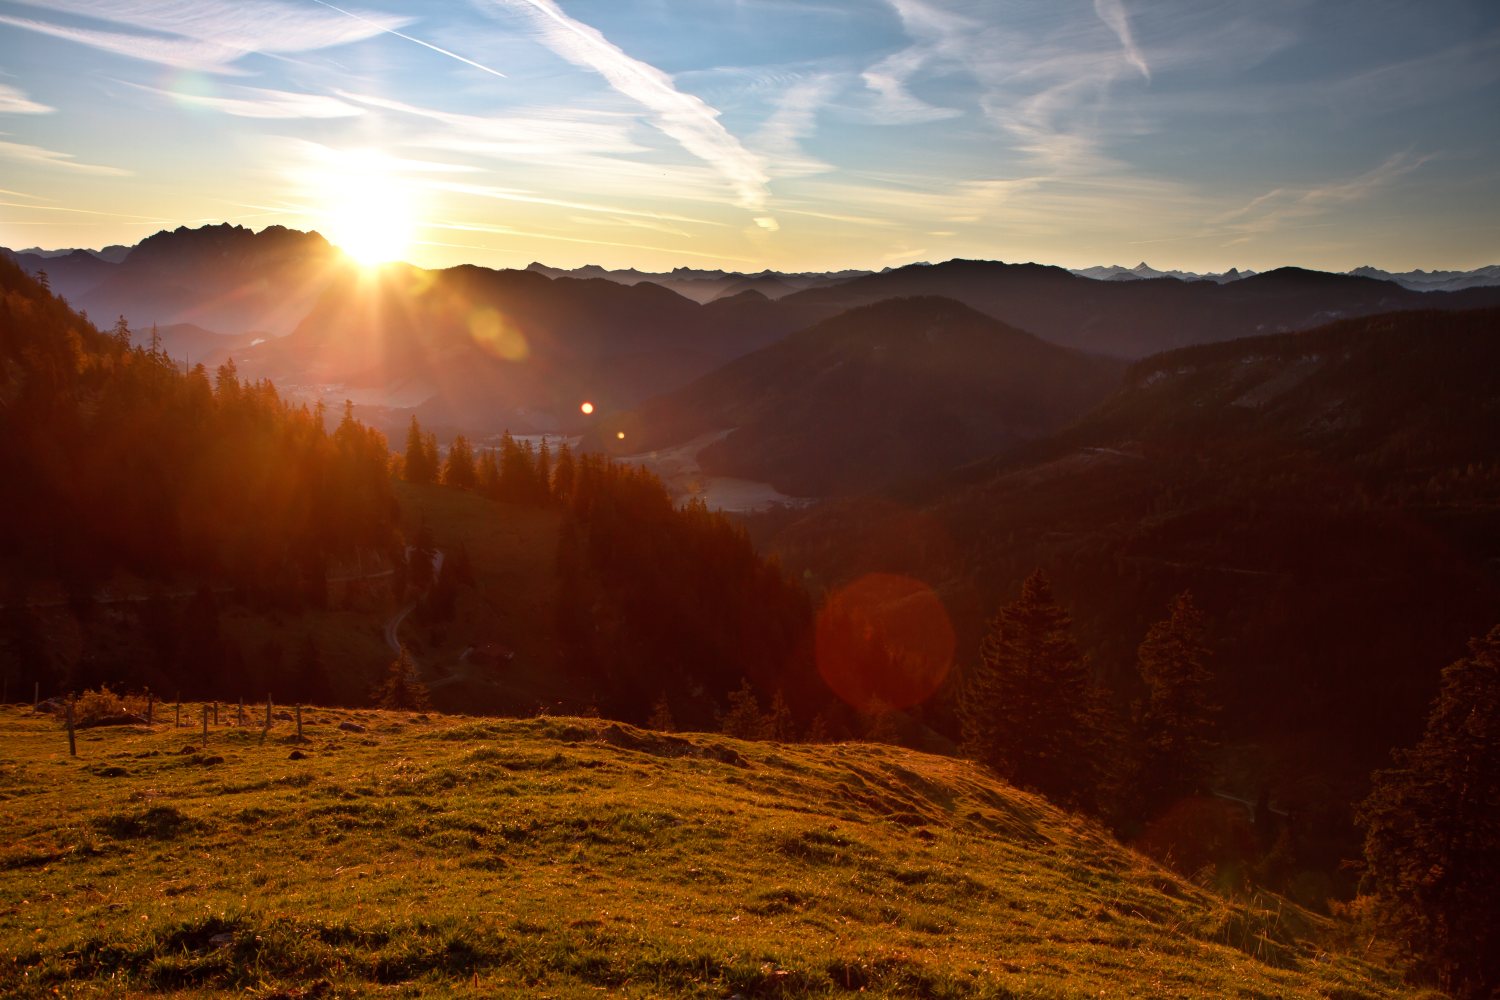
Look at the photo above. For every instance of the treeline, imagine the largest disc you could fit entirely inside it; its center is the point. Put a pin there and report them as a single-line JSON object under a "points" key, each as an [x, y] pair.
{"points": [[117, 462], [654, 601]]}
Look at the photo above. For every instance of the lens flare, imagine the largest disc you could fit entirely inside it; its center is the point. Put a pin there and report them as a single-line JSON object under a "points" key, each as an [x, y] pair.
{"points": [[620, 435], [884, 641], [586, 408], [497, 335]]}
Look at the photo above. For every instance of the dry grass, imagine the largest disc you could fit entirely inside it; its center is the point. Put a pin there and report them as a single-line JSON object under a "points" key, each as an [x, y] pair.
{"points": [[575, 857]]}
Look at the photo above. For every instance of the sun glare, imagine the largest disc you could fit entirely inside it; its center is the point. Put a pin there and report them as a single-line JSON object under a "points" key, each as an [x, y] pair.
{"points": [[367, 210]]}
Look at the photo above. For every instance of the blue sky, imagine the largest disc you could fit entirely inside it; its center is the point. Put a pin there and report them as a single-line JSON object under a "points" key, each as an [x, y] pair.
{"points": [[766, 133]]}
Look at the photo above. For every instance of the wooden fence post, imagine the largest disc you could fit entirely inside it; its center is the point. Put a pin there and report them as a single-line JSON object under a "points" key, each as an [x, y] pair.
{"points": [[150, 706], [36, 695], [205, 723], [216, 713], [267, 729], [299, 723], [72, 743]]}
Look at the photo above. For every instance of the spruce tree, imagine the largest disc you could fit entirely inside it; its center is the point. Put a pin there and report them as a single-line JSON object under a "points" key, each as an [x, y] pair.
{"points": [[459, 471], [402, 689], [1179, 722], [417, 468], [1432, 832], [743, 717], [1024, 708]]}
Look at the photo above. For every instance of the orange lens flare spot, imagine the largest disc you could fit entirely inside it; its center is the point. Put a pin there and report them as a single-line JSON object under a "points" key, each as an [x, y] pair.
{"points": [[497, 336], [620, 435], [586, 408], [884, 641]]}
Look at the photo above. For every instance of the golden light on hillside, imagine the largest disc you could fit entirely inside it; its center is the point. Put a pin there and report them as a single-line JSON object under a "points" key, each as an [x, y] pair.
{"points": [[586, 408], [884, 641]]}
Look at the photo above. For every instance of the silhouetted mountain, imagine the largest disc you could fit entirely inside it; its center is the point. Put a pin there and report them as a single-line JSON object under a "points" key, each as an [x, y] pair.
{"points": [[898, 389], [494, 349], [220, 277], [1436, 281], [707, 285], [1331, 498], [1116, 272], [1137, 318]]}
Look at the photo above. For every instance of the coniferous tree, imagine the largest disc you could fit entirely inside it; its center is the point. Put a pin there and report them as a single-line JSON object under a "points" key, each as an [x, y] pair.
{"points": [[458, 471], [562, 475], [779, 723], [121, 332], [1024, 709], [743, 717], [417, 469], [661, 715], [487, 475], [402, 689], [1179, 722], [1432, 832]]}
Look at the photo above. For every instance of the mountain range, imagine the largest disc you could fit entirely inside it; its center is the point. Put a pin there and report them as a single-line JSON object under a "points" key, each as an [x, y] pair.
{"points": [[482, 350]]}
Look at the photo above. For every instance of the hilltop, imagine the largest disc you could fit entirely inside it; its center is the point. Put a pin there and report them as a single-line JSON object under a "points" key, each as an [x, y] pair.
{"points": [[460, 856]]}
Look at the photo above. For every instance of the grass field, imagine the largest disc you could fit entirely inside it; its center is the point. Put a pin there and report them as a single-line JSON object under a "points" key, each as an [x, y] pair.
{"points": [[576, 857]]}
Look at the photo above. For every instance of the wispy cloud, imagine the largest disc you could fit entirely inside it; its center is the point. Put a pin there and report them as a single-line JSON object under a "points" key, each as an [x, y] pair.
{"points": [[686, 119], [795, 118], [252, 102], [207, 36], [51, 158], [1287, 207], [939, 36], [1112, 13], [15, 102]]}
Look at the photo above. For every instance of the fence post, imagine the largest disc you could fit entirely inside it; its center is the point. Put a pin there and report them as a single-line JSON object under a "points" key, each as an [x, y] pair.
{"points": [[299, 723], [72, 743], [267, 729], [36, 695], [150, 705], [242, 711], [205, 723], [216, 713], [177, 715]]}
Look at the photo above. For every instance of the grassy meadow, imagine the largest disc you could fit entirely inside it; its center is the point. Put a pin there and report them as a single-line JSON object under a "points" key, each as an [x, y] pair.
{"points": [[414, 855]]}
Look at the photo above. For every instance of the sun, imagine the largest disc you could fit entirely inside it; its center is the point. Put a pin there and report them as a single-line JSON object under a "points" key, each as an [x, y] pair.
{"points": [[366, 208]]}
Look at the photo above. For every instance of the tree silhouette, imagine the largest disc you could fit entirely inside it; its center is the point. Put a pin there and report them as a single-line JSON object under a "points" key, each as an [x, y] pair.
{"points": [[1024, 709], [402, 689], [1179, 721], [1432, 831], [459, 471]]}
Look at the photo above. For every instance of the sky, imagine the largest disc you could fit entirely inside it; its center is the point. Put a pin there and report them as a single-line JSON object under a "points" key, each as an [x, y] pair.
{"points": [[751, 134]]}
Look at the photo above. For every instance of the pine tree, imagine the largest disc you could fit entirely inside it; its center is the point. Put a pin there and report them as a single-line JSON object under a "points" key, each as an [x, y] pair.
{"points": [[562, 475], [121, 332], [779, 723], [459, 472], [1024, 709], [661, 715], [402, 689], [743, 718], [1432, 832], [417, 469], [1179, 723]]}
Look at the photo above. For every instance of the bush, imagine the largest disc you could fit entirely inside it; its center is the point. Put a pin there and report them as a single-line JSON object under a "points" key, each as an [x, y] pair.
{"points": [[102, 707]]}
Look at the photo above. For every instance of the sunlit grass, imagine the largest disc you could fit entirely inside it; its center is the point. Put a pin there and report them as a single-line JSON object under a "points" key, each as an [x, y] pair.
{"points": [[564, 857]]}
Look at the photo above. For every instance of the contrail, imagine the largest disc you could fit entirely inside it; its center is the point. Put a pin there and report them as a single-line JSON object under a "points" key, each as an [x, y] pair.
{"points": [[409, 38]]}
